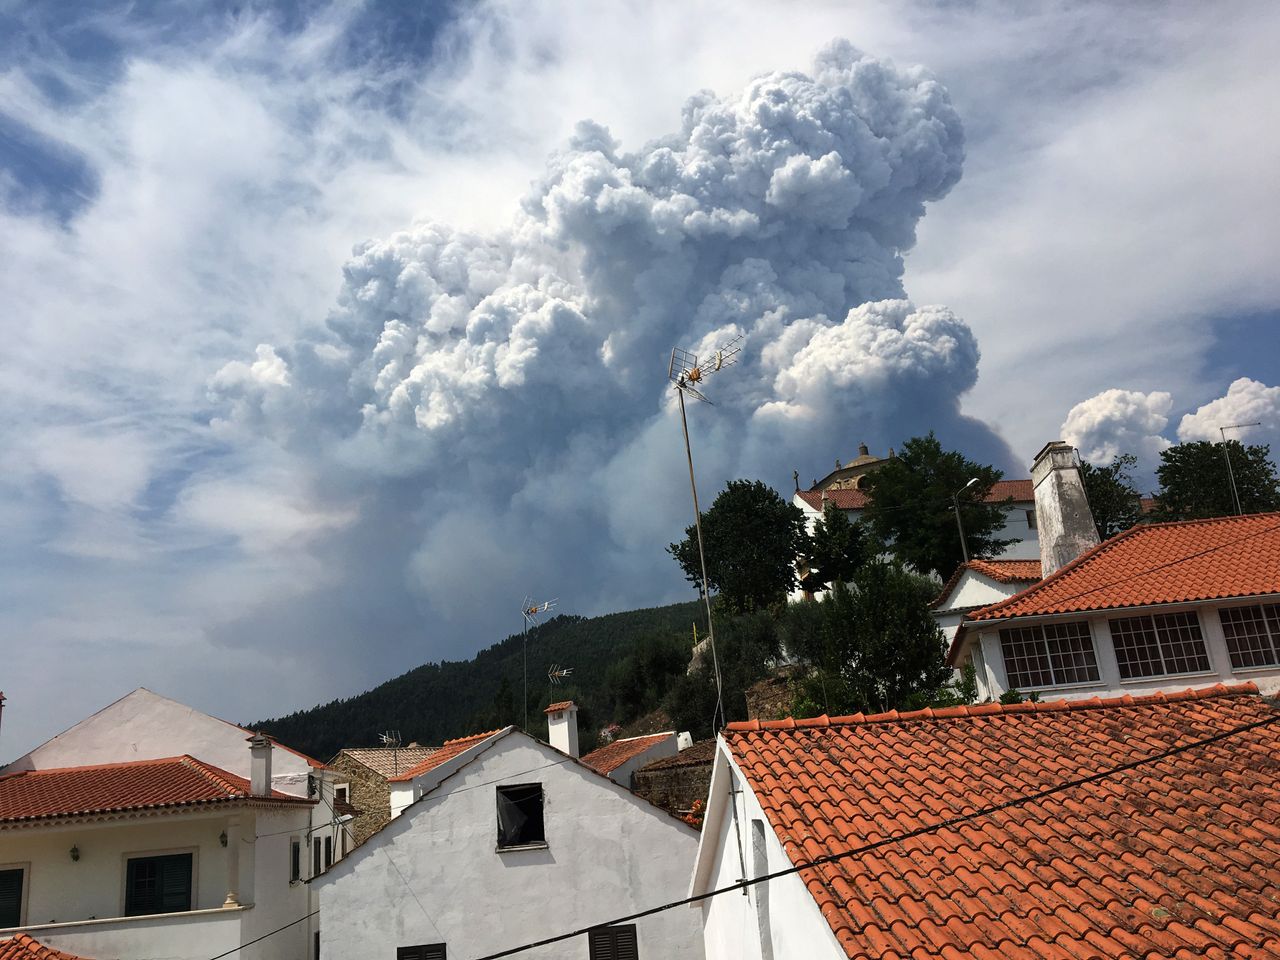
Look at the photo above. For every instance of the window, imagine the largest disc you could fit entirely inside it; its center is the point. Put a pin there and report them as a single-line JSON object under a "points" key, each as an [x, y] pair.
{"points": [[520, 815], [11, 884], [1031, 519], [157, 884], [1157, 645], [613, 943], [1052, 655], [328, 852], [295, 860], [1253, 635], [315, 857], [340, 794], [428, 951]]}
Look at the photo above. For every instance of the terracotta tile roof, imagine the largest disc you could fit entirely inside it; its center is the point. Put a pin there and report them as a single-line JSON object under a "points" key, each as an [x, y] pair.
{"points": [[1159, 563], [448, 750], [1001, 571], [702, 753], [385, 761], [613, 755], [1168, 860], [118, 787], [1020, 491], [557, 707], [22, 947]]}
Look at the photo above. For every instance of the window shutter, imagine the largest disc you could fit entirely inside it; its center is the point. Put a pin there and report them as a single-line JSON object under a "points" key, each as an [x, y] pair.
{"points": [[613, 943], [10, 898], [175, 883], [426, 951]]}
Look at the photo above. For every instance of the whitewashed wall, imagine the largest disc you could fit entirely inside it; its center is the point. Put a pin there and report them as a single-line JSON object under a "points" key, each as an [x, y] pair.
{"points": [[608, 853], [661, 749], [776, 920], [993, 681], [973, 590]]}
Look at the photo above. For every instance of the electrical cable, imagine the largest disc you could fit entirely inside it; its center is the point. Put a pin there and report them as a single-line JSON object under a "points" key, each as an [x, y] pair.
{"points": [[843, 855], [898, 838]]}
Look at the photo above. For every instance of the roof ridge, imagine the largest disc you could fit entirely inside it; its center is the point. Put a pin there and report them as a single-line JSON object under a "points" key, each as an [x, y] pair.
{"points": [[473, 736], [1132, 532], [115, 764], [1248, 688], [225, 779]]}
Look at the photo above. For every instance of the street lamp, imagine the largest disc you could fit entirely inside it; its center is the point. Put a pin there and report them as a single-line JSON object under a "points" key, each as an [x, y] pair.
{"points": [[955, 499]]}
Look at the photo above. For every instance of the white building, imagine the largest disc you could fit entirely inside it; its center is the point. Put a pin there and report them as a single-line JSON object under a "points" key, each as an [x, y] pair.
{"points": [[620, 759], [980, 583], [518, 842], [150, 794]]}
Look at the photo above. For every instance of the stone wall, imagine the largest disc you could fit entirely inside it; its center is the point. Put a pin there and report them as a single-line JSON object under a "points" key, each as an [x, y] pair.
{"points": [[674, 783], [369, 793]]}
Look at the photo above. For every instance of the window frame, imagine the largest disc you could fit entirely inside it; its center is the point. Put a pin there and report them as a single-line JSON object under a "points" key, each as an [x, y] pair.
{"points": [[595, 934], [1269, 613], [295, 859], [1160, 641], [23, 867], [193, 893], [538, 844], [423, 951], [1048, 655]]}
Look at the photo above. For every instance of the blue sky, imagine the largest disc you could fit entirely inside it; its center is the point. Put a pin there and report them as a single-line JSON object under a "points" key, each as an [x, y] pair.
{"points": [[329, 330]]}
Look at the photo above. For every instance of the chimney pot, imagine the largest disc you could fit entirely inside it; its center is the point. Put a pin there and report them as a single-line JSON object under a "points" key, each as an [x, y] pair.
{"points": [[1063, 517], [562, 727], [260, 765]]}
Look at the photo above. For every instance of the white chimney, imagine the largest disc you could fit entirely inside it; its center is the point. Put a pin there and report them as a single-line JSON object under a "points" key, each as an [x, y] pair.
{"points": [[684, 740], [260, 765], [562, 727], [1063, 517]]}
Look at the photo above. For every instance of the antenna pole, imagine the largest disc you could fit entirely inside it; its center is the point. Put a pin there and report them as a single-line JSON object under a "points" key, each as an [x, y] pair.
{"points": [[1226, 455], [702, 560], [524, 646]]}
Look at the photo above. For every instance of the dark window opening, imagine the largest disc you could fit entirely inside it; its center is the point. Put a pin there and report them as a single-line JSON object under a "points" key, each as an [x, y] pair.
{"points": [[295, 860], [427, 951], [340, 794], [11, 897], [613, 943], [520, 815], [1031, 519], [1154, 646], [158, 885], [328, 852], [315, 857]]}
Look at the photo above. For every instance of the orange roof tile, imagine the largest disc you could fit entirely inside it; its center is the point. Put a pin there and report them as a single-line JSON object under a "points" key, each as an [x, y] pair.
{"points": [[557, 707], [23, 947], [1159, 563], [1172, 859], [386, 761], [117, 787], [1001, 571], [1020, 491], [613, 755], [448, 750]]}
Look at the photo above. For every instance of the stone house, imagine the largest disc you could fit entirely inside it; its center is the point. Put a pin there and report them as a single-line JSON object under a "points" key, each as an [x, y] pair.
{"points": [[367, 772]]}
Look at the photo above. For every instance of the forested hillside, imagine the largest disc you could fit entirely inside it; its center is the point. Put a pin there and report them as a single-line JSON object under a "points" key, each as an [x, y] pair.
{"points": [[611, 658]]}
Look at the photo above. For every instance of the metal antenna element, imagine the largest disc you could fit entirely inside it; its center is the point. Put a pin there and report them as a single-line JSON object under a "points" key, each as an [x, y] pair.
{"points": [[530, 610], [558, 674], [686, 372], [1222, 431], [392, 739]]}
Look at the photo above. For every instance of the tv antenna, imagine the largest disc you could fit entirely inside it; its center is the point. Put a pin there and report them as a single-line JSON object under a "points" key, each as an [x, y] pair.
{"points": [[530, 610], [1222, 432], [392, 739], [688, 373], [558, 674]]}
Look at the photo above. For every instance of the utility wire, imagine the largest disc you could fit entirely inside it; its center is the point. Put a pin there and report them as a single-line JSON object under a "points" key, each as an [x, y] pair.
{"points": [[265, 935], [898, 838]]}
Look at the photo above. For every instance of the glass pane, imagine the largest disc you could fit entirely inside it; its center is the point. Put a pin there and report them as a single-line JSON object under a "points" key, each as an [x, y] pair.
{"points": [[1247, 636], [1026, 662], [1181, 643], [1070, 648], [1137, 650]]}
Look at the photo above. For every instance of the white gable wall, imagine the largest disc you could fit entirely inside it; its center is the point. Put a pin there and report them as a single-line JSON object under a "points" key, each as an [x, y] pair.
{"points": [[660, 750], [608, 853], [732, 927], [973, 590]]}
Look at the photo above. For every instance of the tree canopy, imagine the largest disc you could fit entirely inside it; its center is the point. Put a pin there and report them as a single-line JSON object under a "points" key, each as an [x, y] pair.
{"points": [[912, 511], [752, 538], [1194, 483], [1114, 501], [837, 549]]}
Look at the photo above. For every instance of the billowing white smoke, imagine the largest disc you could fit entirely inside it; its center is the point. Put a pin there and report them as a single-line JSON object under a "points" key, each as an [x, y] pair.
{"points": [[507, 393], [1115, 422], [1247, 401]]}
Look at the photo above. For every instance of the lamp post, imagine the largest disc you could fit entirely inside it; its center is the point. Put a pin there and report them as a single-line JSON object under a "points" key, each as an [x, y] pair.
{"points": [[955, 500]]}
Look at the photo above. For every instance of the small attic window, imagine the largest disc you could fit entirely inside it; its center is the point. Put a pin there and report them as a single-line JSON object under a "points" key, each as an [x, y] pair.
{"points": [[520, 816]]}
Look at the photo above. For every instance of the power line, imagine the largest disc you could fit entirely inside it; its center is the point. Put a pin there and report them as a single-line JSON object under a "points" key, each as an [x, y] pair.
{"points": [[898, 838], [265, 935]]}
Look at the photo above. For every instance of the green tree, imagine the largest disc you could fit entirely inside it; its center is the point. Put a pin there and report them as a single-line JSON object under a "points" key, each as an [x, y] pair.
{"points": [[746, 644], [838, 547], [1113, 499], [1194, 483], [912, 510], [871, 646], [752, 538]]}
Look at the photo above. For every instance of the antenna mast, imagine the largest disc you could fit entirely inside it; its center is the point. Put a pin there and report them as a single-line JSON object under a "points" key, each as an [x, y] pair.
{"points": [[1222, 431], [392, 739], [529, 611], [686, 373]]}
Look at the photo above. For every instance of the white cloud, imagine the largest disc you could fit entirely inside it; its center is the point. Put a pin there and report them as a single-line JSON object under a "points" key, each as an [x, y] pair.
{"points": [[1115, 422], [1247, 401]]}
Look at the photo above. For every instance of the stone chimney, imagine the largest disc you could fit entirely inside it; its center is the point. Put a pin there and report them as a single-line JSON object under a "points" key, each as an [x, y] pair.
{"points": [[260, 765], [562, 727], [1062, 510]]}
